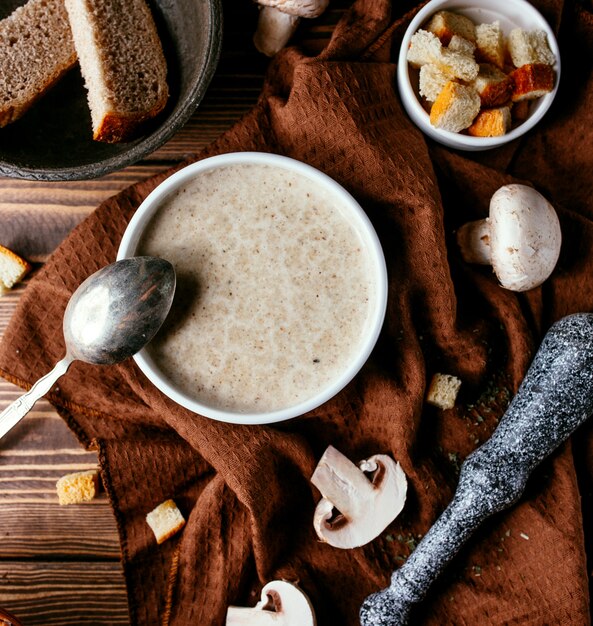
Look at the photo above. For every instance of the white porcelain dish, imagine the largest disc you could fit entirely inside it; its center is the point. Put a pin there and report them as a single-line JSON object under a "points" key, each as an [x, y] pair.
{"points": [[511, 14], [365, 232]]}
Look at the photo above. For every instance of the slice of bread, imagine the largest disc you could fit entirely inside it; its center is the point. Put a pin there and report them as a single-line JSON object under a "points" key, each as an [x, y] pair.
{"points": [[494, 86], [165, 520], [491, 123], [455, 108], [122, 62], [532, 81], [442, 391], [12, 269], [490, 44], [36, 50], [529, 47], [78, 487], [446, 24]]}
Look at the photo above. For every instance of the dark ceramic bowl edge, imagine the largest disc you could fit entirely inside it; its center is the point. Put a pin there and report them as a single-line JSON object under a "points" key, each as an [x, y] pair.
{"points": [[152, 143]]}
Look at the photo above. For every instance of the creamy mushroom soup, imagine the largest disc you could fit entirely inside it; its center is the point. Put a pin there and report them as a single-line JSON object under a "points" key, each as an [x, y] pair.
{"points": [[275, 288]]}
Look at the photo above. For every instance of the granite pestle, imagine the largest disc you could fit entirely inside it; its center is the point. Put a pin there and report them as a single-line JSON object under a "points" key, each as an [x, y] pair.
{"points": [[555, 398]]}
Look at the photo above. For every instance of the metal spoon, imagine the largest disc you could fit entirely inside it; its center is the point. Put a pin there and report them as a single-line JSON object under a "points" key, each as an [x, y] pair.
{"points": [[112, 315]]}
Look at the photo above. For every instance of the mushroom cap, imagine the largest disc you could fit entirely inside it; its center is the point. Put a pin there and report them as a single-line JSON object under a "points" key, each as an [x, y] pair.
{"points": [[302, 8], [525, 237], [281, 603], [371, 510], [289, 601]]}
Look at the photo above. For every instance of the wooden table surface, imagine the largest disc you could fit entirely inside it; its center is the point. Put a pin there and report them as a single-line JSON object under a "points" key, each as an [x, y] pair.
{"points": [[61, 564]]}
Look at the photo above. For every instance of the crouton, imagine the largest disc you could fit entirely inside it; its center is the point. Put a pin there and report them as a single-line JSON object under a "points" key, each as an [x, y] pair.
{"points": [[462, 45], [432, 80], [78, 487], [458, 65], [529, 47], [424, 48], [12, 269], [165, 520], [491, 123], [455, 108], [443, 390], [445, 25], [532, 81], [490, 44], [494, 86]]}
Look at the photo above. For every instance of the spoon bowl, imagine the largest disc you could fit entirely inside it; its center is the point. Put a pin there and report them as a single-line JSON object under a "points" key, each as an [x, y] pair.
{"points": [[112, 315], [116, 311]]}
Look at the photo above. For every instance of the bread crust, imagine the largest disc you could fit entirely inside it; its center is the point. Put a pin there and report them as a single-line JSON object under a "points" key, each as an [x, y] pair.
{"points": [[19, 268], [455, 108], [491, 123], [115, 128], [13, 111], [532, 81], [126, 82], [445, 25], [494, 86]]}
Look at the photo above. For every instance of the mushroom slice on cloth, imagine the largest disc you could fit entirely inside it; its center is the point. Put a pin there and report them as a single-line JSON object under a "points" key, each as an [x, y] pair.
{"points": [[281, 604], [521, 238], [356, 508], [278, 19]]}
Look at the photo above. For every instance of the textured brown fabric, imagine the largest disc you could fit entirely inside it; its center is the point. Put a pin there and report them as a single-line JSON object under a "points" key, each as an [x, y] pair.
{"points": [[245, 490]]}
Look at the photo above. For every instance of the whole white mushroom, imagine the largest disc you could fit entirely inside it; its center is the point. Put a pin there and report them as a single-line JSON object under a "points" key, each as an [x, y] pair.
{"points": [[278, 19], [520, 238]]}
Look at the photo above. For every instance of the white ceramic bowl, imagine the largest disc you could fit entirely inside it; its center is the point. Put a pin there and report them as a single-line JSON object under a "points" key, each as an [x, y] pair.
{"points": [[365, 231], [511, 14]]}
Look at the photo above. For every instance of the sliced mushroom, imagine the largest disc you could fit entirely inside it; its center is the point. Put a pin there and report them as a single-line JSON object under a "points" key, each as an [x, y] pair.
{"points": [[281, 604], [365, 506], [521, 238], [278, 19]]}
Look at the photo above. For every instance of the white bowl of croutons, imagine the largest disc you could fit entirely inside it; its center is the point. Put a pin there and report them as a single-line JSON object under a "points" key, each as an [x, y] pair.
{"points": [[475, 75]]}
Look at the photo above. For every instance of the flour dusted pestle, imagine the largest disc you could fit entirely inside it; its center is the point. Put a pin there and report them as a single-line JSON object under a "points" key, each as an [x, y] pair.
{"points": [[555, 397]]}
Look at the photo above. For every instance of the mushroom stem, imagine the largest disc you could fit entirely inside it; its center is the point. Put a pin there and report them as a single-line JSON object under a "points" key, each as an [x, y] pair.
{"points": [[238, 616], [274, 29], [473, 239]]}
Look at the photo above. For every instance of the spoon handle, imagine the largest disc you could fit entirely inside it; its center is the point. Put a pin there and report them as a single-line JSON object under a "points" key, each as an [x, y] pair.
{"points": [[555, 398], [15, 412]]}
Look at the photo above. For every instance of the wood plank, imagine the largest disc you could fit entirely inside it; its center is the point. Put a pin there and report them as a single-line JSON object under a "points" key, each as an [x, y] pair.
{"points": [[38, 451], [55, 208], [59, 564], [33, 456], [8, 304], [35, 531], [74, 593]]}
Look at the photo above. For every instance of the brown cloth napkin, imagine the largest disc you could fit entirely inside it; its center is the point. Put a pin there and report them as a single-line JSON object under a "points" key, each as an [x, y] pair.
{"points": [[245, 490]]}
